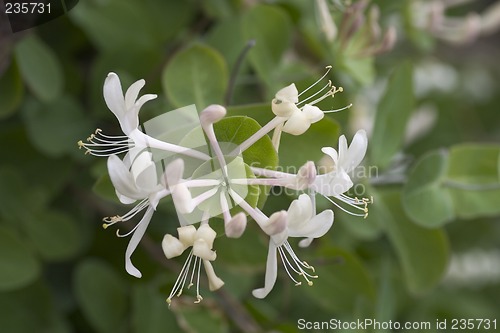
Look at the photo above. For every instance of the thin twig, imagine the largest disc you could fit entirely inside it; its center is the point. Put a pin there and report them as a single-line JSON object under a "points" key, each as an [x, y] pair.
{"points": [[234, 74]]}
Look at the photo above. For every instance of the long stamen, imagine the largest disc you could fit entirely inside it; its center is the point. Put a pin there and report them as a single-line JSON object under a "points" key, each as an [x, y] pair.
{"points": [[178, 283], [337, 110], [365, 210], [328, 85], [328, 68], [299, 262], [282, 255], [296, 265], [110, 220], [100, 145], [198, 296]]}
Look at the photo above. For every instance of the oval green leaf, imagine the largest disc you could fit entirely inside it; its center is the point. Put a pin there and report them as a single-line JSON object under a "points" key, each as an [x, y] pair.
{"points": [[54, 235], [101, 295], [18, 265], [392, 115], [197, 75], [422, 252], [424, 199], [11, 91], [39, 68], [271, 29]]}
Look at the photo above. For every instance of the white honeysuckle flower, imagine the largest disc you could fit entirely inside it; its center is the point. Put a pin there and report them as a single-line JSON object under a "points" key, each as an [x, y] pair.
{"points": [[301, 222], [135, 179], [292, 115], [299, 115], [201, 241], [337, 181], [126, 109]]}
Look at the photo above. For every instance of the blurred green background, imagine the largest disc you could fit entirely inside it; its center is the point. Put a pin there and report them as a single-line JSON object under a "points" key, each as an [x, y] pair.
{"points": [[429, 99]]}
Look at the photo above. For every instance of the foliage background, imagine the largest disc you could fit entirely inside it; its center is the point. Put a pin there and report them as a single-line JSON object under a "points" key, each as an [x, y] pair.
{"points": [[431, 108]]}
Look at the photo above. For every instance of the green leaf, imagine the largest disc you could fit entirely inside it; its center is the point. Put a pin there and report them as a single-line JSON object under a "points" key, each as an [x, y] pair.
{"points": [[472, 180], [18, 265], [39, 68], [423, 253], [474, 164], [345, 280], [295, 151], [150, 312], [197, 75], [200, 318], [393, 113], [54, 235], [18, 202], [119, 24], [34, 303], [261, 112], [235, 130], [55, 128], [101, 295], [11, 91], [424, 199], [271, 29], [361, 69]]}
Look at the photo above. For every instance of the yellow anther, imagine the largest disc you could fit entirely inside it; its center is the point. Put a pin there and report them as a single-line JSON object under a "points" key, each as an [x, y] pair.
{"points": [[98, 130], [298, 284], [310, 283], [190, 285], [371, 199], [366, 215], [80, 144], [87, 152], [329, 67], [198, 299], [179, 293], [104, 225]]}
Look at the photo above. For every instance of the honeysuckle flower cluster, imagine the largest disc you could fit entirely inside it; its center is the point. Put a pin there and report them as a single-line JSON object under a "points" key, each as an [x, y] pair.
{"points": [[213, 181], [357, 27]]}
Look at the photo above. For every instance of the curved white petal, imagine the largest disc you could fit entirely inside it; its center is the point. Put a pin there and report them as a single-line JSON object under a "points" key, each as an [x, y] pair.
{"points": [[132, 93], [113, 96], [134, 241], [288, 94], [332, 153], [271, 272], [299, 213], [297, 124], [203, 250], [313, 113], [144, 172], [171, 246], [122, 179], [356, 151], [214, 282], [124, 199], [342, 148], [315, 227], [283, 109], [332, 183], [305, 242]]}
